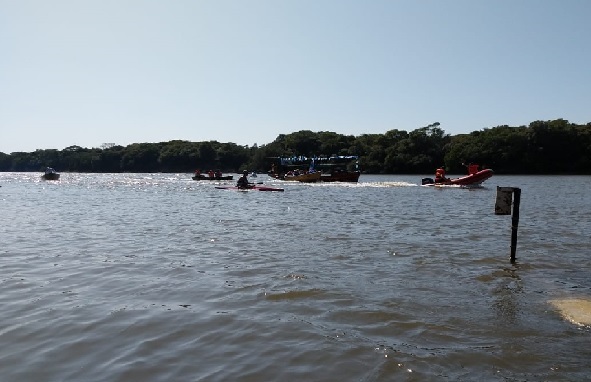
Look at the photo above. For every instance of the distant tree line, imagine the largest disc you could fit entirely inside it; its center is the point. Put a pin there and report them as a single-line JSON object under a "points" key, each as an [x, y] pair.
{"points": [[543, 147]]}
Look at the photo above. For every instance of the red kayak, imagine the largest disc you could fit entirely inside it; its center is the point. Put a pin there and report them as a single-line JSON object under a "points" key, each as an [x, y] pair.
{"points": [[474, 179], [253, 188]]}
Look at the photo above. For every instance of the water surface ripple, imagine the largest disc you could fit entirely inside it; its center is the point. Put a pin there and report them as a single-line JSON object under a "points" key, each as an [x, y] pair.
{"points": [[155, 277]]}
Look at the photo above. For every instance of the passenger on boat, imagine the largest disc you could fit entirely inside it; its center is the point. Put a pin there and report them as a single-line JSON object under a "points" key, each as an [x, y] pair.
{"points": [[472, 168], [243, 181], [440, 175]]}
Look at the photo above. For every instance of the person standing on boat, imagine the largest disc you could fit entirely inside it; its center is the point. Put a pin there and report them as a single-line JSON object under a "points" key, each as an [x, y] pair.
{"points": [[440, 175], [472, 168], [243, 181]]}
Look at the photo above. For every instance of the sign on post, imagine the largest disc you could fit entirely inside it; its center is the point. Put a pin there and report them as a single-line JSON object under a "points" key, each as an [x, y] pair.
{"points": [[504, 200], [503, 207]]}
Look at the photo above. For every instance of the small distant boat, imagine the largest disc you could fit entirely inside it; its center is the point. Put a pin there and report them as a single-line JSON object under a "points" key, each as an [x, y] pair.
{"points": [[205, 177], [50, 174], [217, 175]]}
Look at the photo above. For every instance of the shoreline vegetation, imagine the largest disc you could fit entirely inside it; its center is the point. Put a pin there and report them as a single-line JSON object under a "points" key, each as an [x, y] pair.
{"points": [[555, 147]]}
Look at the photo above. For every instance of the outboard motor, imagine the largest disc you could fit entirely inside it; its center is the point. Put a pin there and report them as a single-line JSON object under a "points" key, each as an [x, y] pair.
{"points": [[427, 181]]}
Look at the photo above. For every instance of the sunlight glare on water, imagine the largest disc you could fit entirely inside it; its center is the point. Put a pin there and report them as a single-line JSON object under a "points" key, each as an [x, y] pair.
{"points": [[157, 277]]}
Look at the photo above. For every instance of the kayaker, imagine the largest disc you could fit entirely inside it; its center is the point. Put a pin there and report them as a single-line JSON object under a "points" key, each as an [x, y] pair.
{"points": [[243, 181], [440, 175]]}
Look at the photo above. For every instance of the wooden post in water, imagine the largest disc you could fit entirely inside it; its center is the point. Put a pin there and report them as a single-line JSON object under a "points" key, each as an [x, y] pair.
{"points": [[503, 207], [515, 221]]}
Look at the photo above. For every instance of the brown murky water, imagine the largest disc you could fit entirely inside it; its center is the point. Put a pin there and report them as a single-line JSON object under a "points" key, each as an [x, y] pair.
{"points": [[155, 277]]}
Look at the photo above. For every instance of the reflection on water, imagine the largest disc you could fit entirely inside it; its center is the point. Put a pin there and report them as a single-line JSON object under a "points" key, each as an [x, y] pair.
{"points": [[157, 277], [506, 295]]}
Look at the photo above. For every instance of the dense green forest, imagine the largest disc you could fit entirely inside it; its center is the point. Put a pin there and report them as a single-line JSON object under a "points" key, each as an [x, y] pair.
{"points": [[543, 147]]}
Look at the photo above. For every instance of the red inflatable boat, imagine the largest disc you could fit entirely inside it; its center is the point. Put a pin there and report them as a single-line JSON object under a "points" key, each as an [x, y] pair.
{"points": [[474, 179]]}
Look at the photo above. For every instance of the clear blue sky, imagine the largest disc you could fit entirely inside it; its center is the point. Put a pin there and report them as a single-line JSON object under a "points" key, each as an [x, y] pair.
{"points": [[88, 72]]}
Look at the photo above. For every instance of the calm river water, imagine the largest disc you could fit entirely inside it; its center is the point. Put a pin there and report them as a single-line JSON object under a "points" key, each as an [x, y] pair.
{"points": [[156, 277]]}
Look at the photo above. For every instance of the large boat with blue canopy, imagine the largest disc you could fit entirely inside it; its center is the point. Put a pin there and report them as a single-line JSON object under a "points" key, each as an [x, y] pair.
{"points": [[343, 168]]}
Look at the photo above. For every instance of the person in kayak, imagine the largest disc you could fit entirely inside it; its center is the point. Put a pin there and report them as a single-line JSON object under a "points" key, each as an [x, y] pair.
{"points": [[243, 181], [440, 175]]}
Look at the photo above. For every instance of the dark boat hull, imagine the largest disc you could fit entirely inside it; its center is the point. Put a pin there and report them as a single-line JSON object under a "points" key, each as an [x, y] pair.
{"points": [[345, 176], [52, 176]]}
